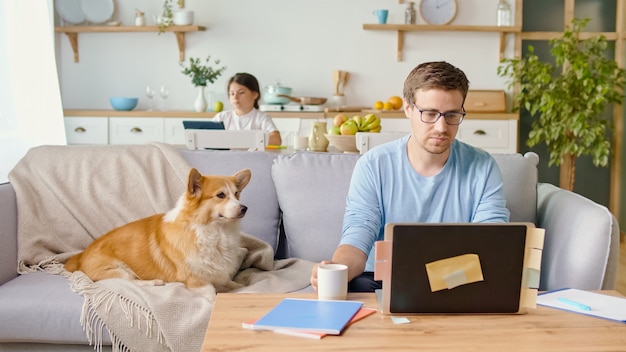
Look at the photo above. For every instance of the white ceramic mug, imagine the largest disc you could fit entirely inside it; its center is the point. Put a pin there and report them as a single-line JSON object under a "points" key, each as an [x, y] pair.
{"points": [[300, 142], [332, 282]]}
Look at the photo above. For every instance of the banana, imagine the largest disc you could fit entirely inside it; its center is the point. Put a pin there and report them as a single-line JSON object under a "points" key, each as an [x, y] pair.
{"points": [[375, 129], [372, 124], [359, 121], [369, 118]]}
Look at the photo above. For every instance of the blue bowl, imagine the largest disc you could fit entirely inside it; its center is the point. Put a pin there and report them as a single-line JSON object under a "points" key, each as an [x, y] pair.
{"points": [[123, 103]]}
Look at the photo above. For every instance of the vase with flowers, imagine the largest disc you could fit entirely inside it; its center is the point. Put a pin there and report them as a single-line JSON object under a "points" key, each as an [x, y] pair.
{"points": [[202, 73]]}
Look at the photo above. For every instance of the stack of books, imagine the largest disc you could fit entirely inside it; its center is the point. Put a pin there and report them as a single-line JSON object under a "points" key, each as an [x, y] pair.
{"points": [[310, 318]]}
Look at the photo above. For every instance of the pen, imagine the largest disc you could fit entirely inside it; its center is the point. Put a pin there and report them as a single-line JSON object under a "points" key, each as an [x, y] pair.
{"points": [[574, 303], [272, 146]]}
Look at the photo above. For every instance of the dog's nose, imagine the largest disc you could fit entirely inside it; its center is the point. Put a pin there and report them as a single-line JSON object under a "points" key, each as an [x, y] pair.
{"points": [[243, 209]]}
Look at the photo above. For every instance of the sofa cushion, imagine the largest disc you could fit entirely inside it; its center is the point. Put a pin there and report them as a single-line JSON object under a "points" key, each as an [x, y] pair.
{"points": [[40, 307], [263, 217], [312, 190], [519, 173]]}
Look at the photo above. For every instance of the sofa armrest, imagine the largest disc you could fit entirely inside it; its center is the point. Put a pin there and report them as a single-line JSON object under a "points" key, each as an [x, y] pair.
{"points": [[581, 247], [8, 233]]}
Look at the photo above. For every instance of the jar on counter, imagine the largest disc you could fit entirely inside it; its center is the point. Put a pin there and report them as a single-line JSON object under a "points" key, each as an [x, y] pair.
{"points": [[140, 19], [409, 14]]}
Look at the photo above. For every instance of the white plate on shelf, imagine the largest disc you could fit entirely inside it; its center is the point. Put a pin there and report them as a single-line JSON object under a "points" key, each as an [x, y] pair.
{"points": [[70, 11], [97, 11]]}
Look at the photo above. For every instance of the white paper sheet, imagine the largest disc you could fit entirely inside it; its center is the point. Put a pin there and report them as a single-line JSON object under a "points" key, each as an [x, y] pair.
{"points": [[602, 306]]}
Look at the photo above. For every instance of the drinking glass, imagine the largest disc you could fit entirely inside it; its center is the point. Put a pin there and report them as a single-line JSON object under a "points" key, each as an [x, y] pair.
{"points": [[150, 95], [164, 94]]}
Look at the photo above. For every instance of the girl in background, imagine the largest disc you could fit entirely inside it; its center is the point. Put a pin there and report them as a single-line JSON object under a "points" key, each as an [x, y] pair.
{"points": [[244, 95]]}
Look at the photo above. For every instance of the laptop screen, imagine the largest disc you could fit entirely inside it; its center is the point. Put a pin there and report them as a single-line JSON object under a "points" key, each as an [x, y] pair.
{"points": [[203, 125], [456, 268]]}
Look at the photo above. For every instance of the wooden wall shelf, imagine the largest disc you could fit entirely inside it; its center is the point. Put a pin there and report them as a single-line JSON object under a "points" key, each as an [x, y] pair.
{"points": [[179, 31], [402, 28]]}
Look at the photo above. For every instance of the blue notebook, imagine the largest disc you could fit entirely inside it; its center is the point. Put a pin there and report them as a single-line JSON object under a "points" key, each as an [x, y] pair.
{"points": [[309, 315]]}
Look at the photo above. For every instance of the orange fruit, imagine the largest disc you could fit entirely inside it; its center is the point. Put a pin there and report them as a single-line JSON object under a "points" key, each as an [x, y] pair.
{"points": [[396, 102], [379, 105], [388, 106]]}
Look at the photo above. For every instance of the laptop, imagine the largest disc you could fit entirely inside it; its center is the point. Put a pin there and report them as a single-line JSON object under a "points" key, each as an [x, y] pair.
{"points": [[203, 125], [459, 268]]}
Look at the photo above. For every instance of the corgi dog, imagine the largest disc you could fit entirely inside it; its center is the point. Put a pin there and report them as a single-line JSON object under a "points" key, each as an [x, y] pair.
{"points": [[196, 243]]}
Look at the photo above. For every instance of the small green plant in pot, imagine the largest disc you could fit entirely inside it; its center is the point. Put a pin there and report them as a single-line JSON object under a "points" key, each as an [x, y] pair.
{"points": [[568, 104], [202, 73]]}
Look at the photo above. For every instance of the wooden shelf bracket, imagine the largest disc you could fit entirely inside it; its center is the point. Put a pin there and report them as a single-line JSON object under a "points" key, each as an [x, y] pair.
{"points": [[73, 38], [180, 39], [400, 45]]}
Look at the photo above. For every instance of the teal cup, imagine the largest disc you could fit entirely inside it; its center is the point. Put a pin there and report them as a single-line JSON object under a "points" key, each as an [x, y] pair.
{"points": [[381, 15]]}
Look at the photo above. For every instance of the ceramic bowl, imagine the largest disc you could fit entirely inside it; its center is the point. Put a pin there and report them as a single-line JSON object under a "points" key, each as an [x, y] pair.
{"points": [[346, 144], [123, 103], [183, 18]]}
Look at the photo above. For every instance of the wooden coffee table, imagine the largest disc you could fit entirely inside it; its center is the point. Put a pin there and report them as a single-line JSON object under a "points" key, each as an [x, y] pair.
{"points": [[542, 329]]}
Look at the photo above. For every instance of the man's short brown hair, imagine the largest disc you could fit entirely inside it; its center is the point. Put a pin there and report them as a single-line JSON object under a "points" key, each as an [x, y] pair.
{"points": [[435, 75]]}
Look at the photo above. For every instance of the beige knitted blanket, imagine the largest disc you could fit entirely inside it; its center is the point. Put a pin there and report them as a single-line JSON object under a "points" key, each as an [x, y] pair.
{"points": [[67, 196]]}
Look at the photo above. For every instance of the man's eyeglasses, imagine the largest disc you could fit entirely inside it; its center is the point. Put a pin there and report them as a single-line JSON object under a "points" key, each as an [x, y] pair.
{"points": [[432, 116]]}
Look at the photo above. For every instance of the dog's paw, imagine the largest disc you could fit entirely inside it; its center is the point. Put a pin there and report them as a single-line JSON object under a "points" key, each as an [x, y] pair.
{"points": [[155, 282]]}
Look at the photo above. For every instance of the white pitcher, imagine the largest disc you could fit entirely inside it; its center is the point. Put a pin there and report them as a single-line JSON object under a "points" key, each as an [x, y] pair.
{"points": [[317, 140]]}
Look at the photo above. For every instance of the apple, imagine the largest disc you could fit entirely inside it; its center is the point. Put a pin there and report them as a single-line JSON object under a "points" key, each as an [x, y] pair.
{"points": [[218, 106], [334, 130], [349, 128], [339, 119]]}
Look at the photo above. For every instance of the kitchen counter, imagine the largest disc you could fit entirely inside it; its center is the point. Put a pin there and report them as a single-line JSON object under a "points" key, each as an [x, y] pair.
{"points": [[274, 114]]}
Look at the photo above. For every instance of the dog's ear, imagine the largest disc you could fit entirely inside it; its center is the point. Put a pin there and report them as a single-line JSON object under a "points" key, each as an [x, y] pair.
{"points": [[242, 177], [194, 182]]}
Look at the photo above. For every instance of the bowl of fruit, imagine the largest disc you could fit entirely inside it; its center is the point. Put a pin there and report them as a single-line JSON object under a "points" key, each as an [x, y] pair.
{"points": [[342, 135], [345, 143]]}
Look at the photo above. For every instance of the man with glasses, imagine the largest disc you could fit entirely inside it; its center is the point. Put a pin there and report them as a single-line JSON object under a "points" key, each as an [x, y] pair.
{"points": [[426, 176]]}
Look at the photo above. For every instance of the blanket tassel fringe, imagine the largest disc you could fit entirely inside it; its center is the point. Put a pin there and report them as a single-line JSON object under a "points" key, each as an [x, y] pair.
{"points": [[94, 326]]}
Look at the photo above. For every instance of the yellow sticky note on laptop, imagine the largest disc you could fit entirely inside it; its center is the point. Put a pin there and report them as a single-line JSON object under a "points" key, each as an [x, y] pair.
{"points": [[453, 272]]}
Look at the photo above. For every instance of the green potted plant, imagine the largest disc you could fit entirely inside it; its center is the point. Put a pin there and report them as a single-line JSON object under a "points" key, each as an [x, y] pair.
{"points": [[568, 104], [201, 74]]}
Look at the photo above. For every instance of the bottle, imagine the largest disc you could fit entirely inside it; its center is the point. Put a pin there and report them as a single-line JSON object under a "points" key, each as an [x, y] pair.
{"points": [[140, 20], [504, 17], [409, 14]]}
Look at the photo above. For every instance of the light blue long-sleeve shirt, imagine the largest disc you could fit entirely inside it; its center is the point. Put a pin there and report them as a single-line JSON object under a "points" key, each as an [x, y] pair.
{"points": [[386, 189]]}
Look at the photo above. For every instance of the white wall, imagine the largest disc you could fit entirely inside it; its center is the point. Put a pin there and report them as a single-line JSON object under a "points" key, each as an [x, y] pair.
{"points": [[299, 42]]}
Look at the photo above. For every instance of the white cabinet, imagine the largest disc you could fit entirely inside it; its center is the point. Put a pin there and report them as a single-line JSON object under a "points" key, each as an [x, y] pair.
{"points": [[87, 130], [494, 136], [139, 130], [174, 132]]}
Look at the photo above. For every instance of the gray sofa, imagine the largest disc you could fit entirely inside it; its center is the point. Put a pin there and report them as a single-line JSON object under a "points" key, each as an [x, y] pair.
{"points": [[296, 204]]}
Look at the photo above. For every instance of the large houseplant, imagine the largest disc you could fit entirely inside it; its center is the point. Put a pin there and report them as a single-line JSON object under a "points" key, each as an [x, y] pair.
{"points": [[568, 103], [201, 74]]}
